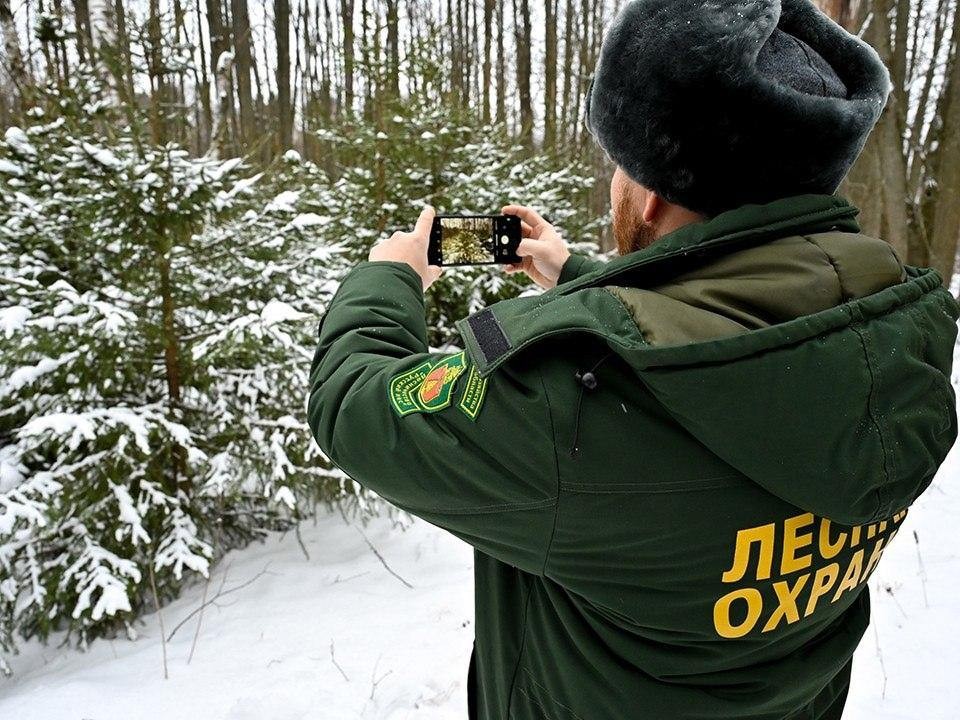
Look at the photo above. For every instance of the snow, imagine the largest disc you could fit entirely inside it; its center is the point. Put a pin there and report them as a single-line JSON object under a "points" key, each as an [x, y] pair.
{"points": [[226, 167], [83, 426], [129, 516], [100, 572], [245, 185], [12, 318], [309, 220], [19, 142], [267, 644], [338, 637], [277, 311], [9, 168], [27, 375], [284, 202], [11, 470], [181, 548], [224, 61], [102, 155]]}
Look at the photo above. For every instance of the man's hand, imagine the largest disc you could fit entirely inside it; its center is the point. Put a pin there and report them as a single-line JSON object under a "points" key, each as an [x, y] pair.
{"points": [[410, 248], [543, 250]]}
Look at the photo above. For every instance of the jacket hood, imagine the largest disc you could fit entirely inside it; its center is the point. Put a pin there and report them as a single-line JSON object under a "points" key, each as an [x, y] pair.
{"points": [[800, 352]]}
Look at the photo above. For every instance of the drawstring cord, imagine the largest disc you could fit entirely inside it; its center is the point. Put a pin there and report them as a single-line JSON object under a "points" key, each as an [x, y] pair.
{"points": [[587, 381]]}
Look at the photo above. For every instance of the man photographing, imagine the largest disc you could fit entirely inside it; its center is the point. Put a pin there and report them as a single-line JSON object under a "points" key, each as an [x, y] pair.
{"points": [[680, 468]]}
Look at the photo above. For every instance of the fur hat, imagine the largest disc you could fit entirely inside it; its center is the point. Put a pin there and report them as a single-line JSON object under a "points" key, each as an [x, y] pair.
{"points": [[714, 104]]}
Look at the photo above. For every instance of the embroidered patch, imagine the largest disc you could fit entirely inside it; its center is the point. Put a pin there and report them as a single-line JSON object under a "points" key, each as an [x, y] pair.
{"points": [[428, 387], [473, 394], [436, 390], [403, 387]]}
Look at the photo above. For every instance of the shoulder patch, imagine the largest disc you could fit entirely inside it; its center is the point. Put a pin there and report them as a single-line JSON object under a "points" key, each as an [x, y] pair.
{"points": [[428, 387], [473, 394]]}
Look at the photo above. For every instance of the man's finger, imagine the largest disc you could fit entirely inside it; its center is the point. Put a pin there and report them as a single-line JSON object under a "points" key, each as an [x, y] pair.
{"points": [[424, 223], [531, 216], [525, 230]]}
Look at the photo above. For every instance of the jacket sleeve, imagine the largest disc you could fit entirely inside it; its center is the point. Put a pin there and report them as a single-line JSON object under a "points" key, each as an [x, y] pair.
{"points": [[481, 466], [577, 265]]}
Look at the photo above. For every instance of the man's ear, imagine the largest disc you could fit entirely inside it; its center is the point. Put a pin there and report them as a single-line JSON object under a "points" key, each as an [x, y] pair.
{"points": [[652, 207]]}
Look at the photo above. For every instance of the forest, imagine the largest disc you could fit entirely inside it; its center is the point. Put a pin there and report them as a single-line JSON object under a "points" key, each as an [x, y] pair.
{"points": [[253, 79], [184, 181]]}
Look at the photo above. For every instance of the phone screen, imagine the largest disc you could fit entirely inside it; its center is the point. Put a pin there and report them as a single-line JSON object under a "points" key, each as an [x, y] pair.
{"points": [[475, 239], [466, 240]]}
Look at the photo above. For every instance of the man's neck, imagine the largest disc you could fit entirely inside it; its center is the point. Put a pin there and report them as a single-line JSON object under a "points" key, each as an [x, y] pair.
{"points": [[676, 217]]}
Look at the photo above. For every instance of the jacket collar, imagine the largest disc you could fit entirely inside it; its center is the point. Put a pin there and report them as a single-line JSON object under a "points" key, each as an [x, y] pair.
{"points": [[725, 233]]}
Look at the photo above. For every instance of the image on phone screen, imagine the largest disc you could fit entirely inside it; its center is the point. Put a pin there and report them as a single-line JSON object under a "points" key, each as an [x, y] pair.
{"points": [[467, 240]]}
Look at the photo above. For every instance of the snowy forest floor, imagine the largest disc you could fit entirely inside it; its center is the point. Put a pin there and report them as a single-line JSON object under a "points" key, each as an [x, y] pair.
{"points": [[338, 637]]}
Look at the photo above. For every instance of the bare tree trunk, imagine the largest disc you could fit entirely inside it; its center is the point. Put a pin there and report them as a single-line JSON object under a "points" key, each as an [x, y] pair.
{"points": [[365, 61], [501, 70], [221, 112], [889, 136], [281, 20], [81, 11], [300, 92], [453, 17], [203, 87], [102, 30], [602, 167], [487, 68], [522, 34], [550, 76], [155, 72], [61, 44], [582, 73], [346, 16], [415, 49], [242, 61], [16, 80], [568, 69], [180, 33], [474, 78], [328, 71], [219, 44], [263, 98], [945, 171], [119, 45], [307, 73], [393, 49]]}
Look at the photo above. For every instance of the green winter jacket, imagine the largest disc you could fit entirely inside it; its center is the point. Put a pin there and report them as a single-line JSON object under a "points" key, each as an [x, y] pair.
{"points": [[678, 469]]}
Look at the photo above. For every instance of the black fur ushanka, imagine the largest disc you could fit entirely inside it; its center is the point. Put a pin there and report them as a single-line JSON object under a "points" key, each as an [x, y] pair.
{"points": [[680, 102]]}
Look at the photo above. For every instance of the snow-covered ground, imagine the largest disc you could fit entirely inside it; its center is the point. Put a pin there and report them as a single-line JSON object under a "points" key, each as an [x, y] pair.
{"points": [[266, 650], [338, 637]]}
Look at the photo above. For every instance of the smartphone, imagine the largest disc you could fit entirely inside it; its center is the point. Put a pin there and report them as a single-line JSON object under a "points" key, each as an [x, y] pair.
{"points": [[474, 240]]}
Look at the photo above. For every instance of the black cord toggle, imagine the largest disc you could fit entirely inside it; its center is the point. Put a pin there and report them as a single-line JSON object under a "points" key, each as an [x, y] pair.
{"points": [[587, 379]]}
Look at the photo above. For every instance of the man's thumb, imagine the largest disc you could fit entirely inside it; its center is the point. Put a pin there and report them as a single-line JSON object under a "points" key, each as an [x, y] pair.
{"points": [[529, 248]]}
